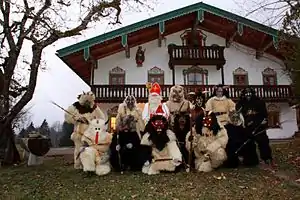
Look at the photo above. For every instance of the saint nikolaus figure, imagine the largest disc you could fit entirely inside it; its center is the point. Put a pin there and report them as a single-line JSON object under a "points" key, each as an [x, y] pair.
{"points": [[154, 101], [220, 104], [140, 56]]}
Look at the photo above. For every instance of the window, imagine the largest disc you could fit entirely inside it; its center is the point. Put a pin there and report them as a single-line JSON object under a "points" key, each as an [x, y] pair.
{"points": [[273, 116], [112, 121], [269, 77], [117, 76], [190, 38], [156, 74], [240, 76], [195, 76]]}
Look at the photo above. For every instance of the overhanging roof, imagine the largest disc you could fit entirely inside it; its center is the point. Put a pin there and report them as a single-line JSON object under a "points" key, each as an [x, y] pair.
{"points": [[167, 16]]}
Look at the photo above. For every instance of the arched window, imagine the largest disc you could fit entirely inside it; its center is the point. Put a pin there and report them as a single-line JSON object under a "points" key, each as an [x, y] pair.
{"points": [[117, 76], [240, 77], [273, 116], [195, 76], [269, 77], [156, 74]]}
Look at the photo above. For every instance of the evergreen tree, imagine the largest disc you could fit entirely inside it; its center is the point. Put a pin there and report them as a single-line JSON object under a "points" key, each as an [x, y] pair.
{"points": [[67, 130], [44, 129]]}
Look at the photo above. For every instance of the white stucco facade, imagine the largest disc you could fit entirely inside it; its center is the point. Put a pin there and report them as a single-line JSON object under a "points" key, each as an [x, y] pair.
{"points": [[237, 56]]}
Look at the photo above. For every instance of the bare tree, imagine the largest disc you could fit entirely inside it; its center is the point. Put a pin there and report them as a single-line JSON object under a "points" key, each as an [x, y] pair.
{"points": [[40, 23], [285, 16]]}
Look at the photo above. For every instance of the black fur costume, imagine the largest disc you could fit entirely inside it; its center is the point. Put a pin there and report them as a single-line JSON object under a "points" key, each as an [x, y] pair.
{"points": [[254, 111], [125, 147], [181, 128], [131, 157], [237, 135]]}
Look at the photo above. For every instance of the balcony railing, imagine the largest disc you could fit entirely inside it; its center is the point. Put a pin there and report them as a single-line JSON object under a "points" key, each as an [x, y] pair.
{"points": [[206, 55], [117, 93]]}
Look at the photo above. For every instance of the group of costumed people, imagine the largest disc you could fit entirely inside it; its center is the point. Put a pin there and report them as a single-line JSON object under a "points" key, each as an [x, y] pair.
{"points": [[182, 133]]}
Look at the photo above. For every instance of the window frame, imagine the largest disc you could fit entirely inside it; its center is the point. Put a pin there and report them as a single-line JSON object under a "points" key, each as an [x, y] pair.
{"points": [[240, 72], [118, 73], [156, 72], [195, 70], [273, 116], [269, 73]]}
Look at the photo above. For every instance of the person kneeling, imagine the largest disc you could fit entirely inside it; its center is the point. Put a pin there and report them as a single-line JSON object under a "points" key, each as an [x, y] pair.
{"points": [[165, 151], [209, 140], [94, 155]]}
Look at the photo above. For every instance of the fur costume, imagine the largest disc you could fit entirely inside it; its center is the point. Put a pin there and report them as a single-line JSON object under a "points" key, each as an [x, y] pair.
{"points": [[256, 121], [125, 147], [220, 104], [198, 101], [235, 148], [94, 154], [179, 120], [209, 143], [79, 114], [154, 101], [165, 151]]}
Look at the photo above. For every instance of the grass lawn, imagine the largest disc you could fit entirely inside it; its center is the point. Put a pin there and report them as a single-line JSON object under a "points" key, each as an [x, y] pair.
{"points": [[55, 180]]}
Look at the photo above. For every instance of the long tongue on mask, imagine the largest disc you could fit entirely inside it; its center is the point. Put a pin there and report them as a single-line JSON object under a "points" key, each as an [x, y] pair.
{"points": [[97, 137]]}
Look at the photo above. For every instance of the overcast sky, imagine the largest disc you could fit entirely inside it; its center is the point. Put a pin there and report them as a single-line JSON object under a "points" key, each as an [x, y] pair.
{"points": [[58, 83]]}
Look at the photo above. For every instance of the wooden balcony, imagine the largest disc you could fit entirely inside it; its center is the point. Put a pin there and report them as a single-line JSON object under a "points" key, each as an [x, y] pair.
{"points": [[186, 55], [117, 93]]}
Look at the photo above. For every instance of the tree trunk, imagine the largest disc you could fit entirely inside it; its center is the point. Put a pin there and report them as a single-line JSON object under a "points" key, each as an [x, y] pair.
{"points": [[9, 155]]}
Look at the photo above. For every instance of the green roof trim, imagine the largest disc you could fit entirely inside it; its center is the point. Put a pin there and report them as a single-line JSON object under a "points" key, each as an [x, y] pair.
{"points": [[164, 17]]}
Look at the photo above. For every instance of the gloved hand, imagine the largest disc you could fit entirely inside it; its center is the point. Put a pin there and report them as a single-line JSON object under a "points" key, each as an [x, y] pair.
{"points": [[118, 147], [129, 146], [176, 161]]}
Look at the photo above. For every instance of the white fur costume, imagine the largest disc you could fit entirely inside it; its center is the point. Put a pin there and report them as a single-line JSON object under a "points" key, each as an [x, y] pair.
{"points": [[213, 147], [77, 111], [221, 105], [154, 100], [136, 112], [95, 157], [171, 151]]}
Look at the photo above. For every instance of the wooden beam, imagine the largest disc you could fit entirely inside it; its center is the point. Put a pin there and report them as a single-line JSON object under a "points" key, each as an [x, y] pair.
{"points": [[260, 52], [230, 39]]}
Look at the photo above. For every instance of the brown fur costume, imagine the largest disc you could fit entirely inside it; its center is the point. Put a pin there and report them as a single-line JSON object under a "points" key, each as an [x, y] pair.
{"points": [[124, 111], [164, 146], [179, 109], [79, 114], [209, 143], [177, 102]]}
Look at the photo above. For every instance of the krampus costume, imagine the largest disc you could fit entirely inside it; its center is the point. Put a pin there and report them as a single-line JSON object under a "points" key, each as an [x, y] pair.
{"points": [[198, 101], [220, 104], [179, 119], [126, 142], [209, 143], [237, 145], [165, 151], [94, 154], [256, 120], [154, 100], [79, 114]]}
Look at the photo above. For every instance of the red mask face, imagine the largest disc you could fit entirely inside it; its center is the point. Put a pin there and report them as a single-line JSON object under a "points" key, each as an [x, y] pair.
{"points": [[158, 125], [207, 122]]}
